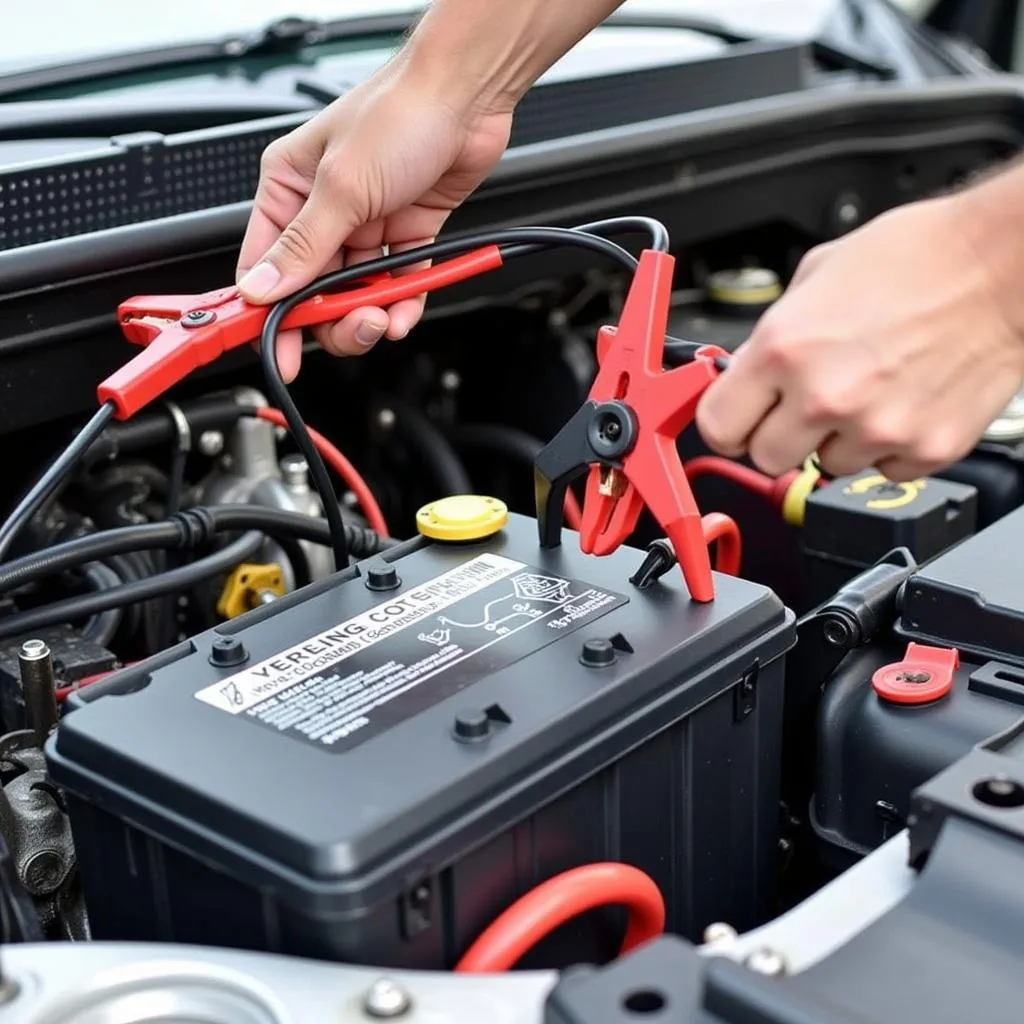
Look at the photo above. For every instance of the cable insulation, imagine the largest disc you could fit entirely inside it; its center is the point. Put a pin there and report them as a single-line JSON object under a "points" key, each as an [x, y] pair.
{"points": [[176, 580], [557, 901], [54, 476], [721, 530], [190, 528], [348, 473]]}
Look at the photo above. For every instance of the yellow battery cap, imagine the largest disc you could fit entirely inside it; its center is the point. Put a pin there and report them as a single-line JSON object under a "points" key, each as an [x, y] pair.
{"points": [[462, 517]]}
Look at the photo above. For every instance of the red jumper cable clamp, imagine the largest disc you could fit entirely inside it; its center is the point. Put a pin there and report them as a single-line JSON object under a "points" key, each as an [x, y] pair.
{"points": [[625, 435], [180, 333]]}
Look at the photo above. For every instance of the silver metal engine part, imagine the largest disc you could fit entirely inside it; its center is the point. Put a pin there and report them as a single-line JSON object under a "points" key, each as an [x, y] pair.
{"points": [[1009, 427], [249, 472], [109, 983]]}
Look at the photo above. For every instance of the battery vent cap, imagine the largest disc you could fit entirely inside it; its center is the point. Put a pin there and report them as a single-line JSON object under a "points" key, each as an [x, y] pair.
{"points": [[462, 517]]}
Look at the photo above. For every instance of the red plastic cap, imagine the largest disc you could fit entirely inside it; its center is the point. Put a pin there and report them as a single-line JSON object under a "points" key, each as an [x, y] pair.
{"points": [[924, 675]]}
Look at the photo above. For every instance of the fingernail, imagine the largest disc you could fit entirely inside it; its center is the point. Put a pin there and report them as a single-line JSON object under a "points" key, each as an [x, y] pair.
{"points": [[368, 333], [260, 281]]}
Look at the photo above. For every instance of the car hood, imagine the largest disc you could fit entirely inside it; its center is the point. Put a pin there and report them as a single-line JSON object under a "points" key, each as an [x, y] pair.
{"points": [[61, 29]]}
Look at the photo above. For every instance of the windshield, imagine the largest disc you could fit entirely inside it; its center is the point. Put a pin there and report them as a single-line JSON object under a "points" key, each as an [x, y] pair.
{"points": [[57, 30]]}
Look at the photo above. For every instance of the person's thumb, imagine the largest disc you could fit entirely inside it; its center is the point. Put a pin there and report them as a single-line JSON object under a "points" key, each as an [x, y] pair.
{"points": [[304, 248]]}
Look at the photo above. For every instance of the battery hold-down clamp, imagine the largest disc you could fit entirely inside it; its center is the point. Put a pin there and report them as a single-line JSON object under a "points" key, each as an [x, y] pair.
{"points": [[625, 436]]}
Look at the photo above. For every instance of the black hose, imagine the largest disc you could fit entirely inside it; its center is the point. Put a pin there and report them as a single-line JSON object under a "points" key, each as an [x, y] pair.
{"points": [[157, 429], [516, 444], [433, 449], [100, 629], [188, 529], [54, 476], [175, 581], [128, 570]]}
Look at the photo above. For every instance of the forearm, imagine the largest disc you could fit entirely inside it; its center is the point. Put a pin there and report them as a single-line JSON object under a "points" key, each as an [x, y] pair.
{"points": [[487, 53], [991, 216]]}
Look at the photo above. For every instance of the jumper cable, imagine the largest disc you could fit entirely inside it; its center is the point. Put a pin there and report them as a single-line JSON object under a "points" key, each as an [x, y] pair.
{"points": [[625, 435]]}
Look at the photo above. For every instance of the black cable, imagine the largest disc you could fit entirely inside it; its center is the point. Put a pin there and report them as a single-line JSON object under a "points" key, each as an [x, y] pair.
{"points": [[127, 568], [189, 529], [175, 581], [100, 629], [654, 229], [53, 477], [512, 241], [433, 449], [517, 444]]}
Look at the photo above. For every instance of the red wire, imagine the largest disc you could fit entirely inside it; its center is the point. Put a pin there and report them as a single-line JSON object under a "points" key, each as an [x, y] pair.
{"points": [[348, 473], [722, 529], [751, 479], [558, 900], [63, 692]]}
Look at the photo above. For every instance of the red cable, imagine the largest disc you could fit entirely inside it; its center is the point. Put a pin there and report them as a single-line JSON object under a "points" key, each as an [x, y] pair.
{"points": [[751, 479], [348, 473], [722, 529], [530, 919], [63, 692]]}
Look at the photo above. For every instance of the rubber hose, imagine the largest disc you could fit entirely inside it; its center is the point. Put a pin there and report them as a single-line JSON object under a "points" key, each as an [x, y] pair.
{"points": [[157, 429], [435, 450], [128, 571], [516, 444], [174, 581], [175, 533], [100, 629]]}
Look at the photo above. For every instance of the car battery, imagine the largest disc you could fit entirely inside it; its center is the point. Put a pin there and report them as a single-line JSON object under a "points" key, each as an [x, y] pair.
{"points": [[966, 609], [373, 768]]}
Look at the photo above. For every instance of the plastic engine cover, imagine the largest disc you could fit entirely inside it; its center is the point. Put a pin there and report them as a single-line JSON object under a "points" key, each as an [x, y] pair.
{"points": [[386, 771]]}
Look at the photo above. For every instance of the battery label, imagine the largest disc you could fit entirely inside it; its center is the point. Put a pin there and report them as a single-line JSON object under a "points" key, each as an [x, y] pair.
{"points": [[409, 652]]}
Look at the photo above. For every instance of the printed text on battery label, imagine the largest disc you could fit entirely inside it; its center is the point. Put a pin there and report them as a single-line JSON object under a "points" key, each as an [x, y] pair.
{"points": [[327, 708], [251, 686]]}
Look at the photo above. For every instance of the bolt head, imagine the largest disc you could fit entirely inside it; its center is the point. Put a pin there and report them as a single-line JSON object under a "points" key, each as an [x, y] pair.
{"points": [[211, 443], [768, 962], [34, 649], [383, 577], [198, 318], [719, 931], [472, 725], [386, 1000], [227, 651], [597, 653]]}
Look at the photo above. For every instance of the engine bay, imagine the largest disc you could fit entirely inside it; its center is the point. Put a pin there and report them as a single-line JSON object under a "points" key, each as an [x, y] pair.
{"points": [[222, 730]]}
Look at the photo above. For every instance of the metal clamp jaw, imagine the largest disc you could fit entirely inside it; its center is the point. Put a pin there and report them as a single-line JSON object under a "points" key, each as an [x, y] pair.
{"points": [[625, 434]]}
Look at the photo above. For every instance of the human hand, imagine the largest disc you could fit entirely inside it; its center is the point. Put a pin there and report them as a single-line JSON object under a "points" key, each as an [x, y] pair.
{"points": [[383, 166], [894, 348]]}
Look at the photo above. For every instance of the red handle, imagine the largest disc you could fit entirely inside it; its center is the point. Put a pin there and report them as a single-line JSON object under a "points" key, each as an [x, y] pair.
{"points": [[174, 351], [387, 290]]}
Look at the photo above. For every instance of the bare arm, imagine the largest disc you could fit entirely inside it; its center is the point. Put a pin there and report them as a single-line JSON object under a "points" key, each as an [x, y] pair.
{"points": [[489, 52], [386, 164]]}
